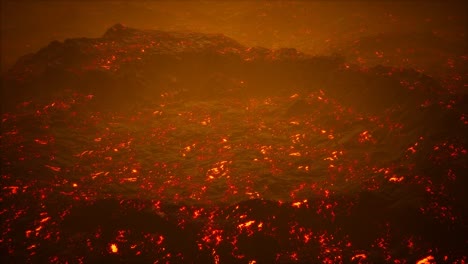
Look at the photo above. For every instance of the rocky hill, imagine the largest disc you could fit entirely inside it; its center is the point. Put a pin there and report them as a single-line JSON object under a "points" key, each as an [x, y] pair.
{"points": [[128, 64]]}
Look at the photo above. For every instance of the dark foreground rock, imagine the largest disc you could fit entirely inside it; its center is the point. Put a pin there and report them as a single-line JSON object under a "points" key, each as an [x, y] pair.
{"points": [[260, 230]]}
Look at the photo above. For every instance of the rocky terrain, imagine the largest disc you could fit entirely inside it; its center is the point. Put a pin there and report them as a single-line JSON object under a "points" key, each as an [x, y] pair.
{"points": [[145, 146]]}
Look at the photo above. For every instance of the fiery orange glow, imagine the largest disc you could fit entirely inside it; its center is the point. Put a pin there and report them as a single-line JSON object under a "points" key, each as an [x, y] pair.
{"points": [[396, 179], [427, 260], [169, 144], [359, 257], [114, 248], [246, 224]]}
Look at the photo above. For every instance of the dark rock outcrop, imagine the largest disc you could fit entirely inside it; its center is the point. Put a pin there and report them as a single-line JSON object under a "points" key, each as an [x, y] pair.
{"points": [[128, 64]]}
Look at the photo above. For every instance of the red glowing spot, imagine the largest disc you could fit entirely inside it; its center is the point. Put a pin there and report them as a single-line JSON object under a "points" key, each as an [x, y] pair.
{"points": [[197, 213], [246, 224], [14, 189], [121, 236], [160, 241], [130, 179], [364, 137], [451, 175], [45, 219], [379, 54], [97, 139], [114, 248], [294, 256], [427, 260], [157, 205], [42, 142], [298, 204], [56, 169], [410, 243], [412, 150], [94, 175], [31, 247], [394, 178], [359, 256]]}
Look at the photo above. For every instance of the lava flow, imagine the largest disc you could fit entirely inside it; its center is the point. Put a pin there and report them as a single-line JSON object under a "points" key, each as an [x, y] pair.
{"points": [[154, 146]]}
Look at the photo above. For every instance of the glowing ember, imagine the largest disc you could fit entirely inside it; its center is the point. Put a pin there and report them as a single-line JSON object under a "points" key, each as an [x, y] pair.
{"points": [[334, 163], [113, 248], [426, 260]]}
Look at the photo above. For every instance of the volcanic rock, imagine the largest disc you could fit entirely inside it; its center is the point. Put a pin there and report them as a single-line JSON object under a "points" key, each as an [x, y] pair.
{"points": [[128, 64]]}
